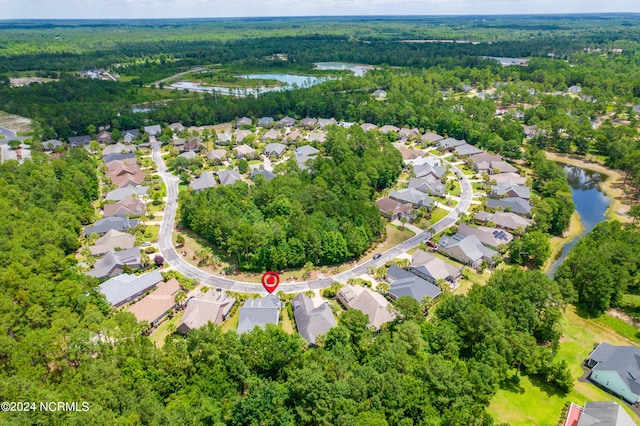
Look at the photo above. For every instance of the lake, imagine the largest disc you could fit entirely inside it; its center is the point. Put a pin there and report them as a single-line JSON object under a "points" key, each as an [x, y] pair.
{"points": [[358, 70], [290, 81], [591, 204]]}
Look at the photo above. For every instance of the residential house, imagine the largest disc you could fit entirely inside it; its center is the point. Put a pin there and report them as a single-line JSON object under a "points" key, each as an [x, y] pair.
{"points": [[616, 369], [153, 130], [449, 144], [241, 135], [306, 151], [176, 128], [415, 197], [123, 174], [346, 124], [431, 160], [428, 185], [210, 307], [431, 268], [157, 304], [204, 181], [510, 204], [286, 122], [245, 151], [313, 317], [244, 121], [574, 90], [79, 141], [258, 313], [308, 123], [274, 149], [216, 156], [316, 136], [224, 138], [129, 158], [104, 137], [293, 136], [510, 189], [504, 220], [127, 287], [51, 144], [118, 148], [601, 413], [324, 122], [129, 135], [191, 144], [467, 150], [379, 94], [468, 250], [368, 127], [127, 207], [481, 161], [106, 224], [501, 167], [370, 303], [229, 177], [407, 153], [405, 134], [389, 129], [431, 138], [428, 170], [268, 175], [404, 283], [127, 191], [113, 262], [490, 237], [392, 209], [189, 155], [265, 122], [272, 135], [112, 240], [530, 131], [513, 177]]}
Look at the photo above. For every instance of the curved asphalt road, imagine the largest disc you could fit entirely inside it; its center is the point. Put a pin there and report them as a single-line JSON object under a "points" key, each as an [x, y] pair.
{"points": [[174, 259]]}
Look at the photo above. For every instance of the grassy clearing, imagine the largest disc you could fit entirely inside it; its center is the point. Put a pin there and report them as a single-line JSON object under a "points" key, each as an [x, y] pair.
{"points": [[15, 122], [151, 233], [232, 322], [166, 328], [287, 323], [533, 402]]}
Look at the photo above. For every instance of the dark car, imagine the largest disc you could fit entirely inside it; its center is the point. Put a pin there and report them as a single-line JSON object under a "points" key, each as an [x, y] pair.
{"points": [[377, 256], [432, 244]]}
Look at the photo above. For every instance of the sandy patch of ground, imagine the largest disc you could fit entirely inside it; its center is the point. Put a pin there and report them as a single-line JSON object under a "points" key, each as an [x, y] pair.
{"points": [[23, 81], [15, 122]]}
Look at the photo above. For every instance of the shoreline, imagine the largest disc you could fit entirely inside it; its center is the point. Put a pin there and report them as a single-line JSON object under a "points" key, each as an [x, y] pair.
{"points": [[610, 187], [576, 228]]}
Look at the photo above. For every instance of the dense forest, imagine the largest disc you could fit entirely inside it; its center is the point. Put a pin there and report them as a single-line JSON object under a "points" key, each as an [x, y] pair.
{"points": [[324, 215]]}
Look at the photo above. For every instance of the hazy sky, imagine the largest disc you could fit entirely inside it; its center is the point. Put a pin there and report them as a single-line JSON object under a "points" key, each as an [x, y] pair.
{"points": [[11, 9]]}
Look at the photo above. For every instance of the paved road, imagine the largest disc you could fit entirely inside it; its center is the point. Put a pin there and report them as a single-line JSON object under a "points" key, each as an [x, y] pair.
{"points": [[173, 258], [7, 153]]}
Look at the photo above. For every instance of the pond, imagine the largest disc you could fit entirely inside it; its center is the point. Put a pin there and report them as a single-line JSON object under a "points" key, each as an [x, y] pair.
{"points": [[358, 70], [290, 81], [591, 204]]}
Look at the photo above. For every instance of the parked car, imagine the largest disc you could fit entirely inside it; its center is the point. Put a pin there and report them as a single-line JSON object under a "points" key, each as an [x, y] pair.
{"points": [[432, 244], [377, 256]]}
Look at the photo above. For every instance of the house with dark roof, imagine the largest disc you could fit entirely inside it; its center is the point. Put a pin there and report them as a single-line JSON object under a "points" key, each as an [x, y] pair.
{"points": [[212, 306], [127, 287], [112, 240], [268, 175], [404, 283], [490, 237], [510, 189], [393, 209], [466, 150], [431, 268], [157, 304], [258, 313], [229, 177], [128, 207], [79, 141], [129, 135], [274, 149], [449, 144], [510, 204], [204, 181], [313, 317], [106, 224], [428, 185], [370, 303], [468, 250], [415, 197], [616, 369], [113, 262]]}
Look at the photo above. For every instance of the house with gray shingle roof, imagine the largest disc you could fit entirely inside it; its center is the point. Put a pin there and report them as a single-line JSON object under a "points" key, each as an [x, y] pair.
{"points": [[466, 150], [51, 144], [431, 268], [504, 220], [129, 135], [468, 250], [286, 122], [212, 306], [118, 156], [413, 196], [245, 151], [424, 170], [265, 122], [242, 134], [370, 303], [128, 191], [204, 181], [428, 185], [244, 121], [510, 204], [118, 148], [127, 287], [510, 189], [189, 155], [266, 173], [431, 138], [153, 130], [106, 224], [274, 149], [368, 127], [272, 135], [404, 283], [617, 369], [229, 177], [513, 177], [317, 136], [79, 141], [216, 156], [112, 240], [405, 134], [308, 123], [389, 129], [258, 313], [176, 127], [601, 413], [313, 317], [324, 122], [224, 138], [113, 262], [306, 151], [490, 237], [449, 144]]}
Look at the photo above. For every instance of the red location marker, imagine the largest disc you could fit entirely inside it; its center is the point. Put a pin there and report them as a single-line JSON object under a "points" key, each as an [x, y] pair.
{"points": [[270, 281]]}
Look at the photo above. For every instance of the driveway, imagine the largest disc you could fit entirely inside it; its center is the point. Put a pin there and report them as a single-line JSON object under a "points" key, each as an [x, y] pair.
{"points": [[173, 258]]}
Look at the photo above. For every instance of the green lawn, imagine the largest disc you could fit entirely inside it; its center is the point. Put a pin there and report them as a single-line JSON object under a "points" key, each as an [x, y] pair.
{"points": [[287, 323], [532, 402], [151, 233], [166, 328], [438, 214], [232, 322]]}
